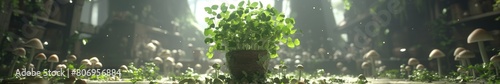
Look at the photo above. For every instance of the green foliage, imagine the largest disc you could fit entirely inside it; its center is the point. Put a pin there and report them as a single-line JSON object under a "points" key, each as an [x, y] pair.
{"points": [[486, 71], [424, 75], [496, 7], [248, 27], [347, 4], [148, 72], [392, 74]]}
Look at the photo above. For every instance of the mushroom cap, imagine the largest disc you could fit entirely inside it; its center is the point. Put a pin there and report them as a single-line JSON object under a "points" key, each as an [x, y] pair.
{"points": [[19, 52], [98, 65], [466, 54], [151, 46], [84, 61], [344, 69], [40, 56], [156, 42], [94, 60], [321, 50], [166, 53], [372, 54], [420, 66], [300, 67], [216, 61], [64, 61], [436, 53], [178, 65], [158, 60], [197, 66], [53, 58], [378, 62], [60, 67], [339, 64], [34, 43], [413, 61], [87, 64], [190, 45], [407, 68], [71, 58], [365, 65], [123, 67], [170, 59], [495, 58], [458, 50], [181, 52], [31, 66], [479, 35]]}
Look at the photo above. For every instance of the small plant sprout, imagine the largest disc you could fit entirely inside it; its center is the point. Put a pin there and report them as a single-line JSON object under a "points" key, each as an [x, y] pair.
{"points": [[437, 54], [300, 68], [496, 63], [53, 59], [40, 57], [366, 67], [371, 56], [420, 67], [480, 35], [19, 52], [33, 44]]}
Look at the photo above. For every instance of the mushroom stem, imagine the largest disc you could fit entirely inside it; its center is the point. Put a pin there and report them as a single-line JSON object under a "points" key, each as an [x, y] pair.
{"points": [[38, 65], [496, 69], [439, 66], [31, 55], [483, 52], [13, 65], [471, 70], [300, 74], [373, 68], [51, 65]]}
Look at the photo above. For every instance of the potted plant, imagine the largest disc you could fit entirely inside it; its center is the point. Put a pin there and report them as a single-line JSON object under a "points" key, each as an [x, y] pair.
{"points": [[250, 34]]}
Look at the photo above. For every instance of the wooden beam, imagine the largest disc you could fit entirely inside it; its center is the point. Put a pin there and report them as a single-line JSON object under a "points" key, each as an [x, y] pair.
{"points": [[39, 17], [475, 17]]}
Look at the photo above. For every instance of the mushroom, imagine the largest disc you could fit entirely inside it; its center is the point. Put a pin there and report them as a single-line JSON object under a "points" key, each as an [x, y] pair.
{"points": [[408, 69], [60, 67], [166, 53], [321, 52], [31, 67], [413, 61], [53, 59], [371, 56], [158, 60], [18, 52], [40, 57], [365, 66], [71, 58], [457, 51], [437, 54], [93, 60], [123, 68], [480, 35], [496, 60], [420, 67], [340, 65], [466, 55], [97, 65], [300, 68], [33, 44], [178, 66], [197, 67], [64, 62]]}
